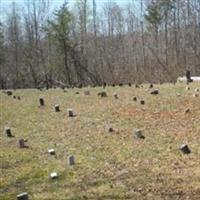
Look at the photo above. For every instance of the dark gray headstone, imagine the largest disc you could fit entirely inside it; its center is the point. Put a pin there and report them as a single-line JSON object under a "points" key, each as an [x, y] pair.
{"points": [[138, 134], [57, 108], [41, 100], [22, 143], [134, 98], [102, 94], [142, 102], [185, 149], [70, 112], [8, 132], [71, 160], [154, 92]]}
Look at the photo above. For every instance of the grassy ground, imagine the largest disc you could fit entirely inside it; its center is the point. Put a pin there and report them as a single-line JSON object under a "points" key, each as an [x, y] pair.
{"points": [[108, 165]]}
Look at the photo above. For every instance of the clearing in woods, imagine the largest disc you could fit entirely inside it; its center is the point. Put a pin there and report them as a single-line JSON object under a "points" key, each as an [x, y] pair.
{"points": [[108, 164]]}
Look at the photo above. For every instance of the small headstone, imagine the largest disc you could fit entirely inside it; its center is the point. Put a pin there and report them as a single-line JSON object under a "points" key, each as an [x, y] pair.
{"points": [[142, 102], [134, 98], [70, 112], [137, 86], [8, 132], [187, 88], [196, 90], [138, 134], [154, 92], [187, 110], [54, 175], [77, 93], [41, 101], [113, 85], [71, 160], [14, 97], [195, 95], [18, 97], [178, 94], [111, 130], [51, 151], [115, 96], [102, 94], [57, 108], [151, 86], [9, 93], [87, 92], [104, 85], [22, 143], [22, 196], [129, 84], [121, 84], [185, 149]]}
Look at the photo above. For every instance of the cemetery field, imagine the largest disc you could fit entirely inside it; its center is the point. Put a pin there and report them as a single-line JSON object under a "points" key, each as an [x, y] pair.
{"points": [[108, 164]]}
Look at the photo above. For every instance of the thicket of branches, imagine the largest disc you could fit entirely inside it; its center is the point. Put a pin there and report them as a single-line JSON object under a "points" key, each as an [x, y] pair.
{"points": [[144, 41]]}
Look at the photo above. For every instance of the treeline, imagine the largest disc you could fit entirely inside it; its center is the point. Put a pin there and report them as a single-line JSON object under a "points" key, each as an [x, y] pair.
{"points": [[143, 41]]}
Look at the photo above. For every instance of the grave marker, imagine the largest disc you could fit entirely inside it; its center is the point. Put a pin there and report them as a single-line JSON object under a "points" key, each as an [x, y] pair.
{"points": [[57, 108], [185, 149], [71, 160], [22, 196], [54, 175], [8, 132], [70, 112], [41, 100], [138, 134]]}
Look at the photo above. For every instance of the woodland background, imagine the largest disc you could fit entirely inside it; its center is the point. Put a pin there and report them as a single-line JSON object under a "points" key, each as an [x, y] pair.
{"points": [[82, 44]]}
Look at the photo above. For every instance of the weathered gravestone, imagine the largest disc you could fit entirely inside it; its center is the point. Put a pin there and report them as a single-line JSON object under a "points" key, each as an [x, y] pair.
{"points": [[51, 151], [41, 100], [54, 175], [115, 95], [22, 143], [134, 98], [154, 92], [22, 196], [71, 160], [57, 108], [138, 134], [8, 132], [142, 102], [70, 113], [87, 92], [102, 94], [185, 149]]}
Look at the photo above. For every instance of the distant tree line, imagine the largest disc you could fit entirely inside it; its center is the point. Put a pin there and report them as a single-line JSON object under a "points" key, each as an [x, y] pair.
{"points": [[144, 41]]}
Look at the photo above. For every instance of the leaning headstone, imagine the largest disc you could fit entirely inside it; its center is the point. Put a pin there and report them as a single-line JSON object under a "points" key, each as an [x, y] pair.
{"points": [[51, 151], [22, 143], [70, 112], [134, 98], [185, 149], [22, 196], [57, 108], [187, 110], [41, 100], [54, 175], [71, 160], [138, 134], [115, 95], [154, 92], [8, 132], [87, 92], [142, 102]]}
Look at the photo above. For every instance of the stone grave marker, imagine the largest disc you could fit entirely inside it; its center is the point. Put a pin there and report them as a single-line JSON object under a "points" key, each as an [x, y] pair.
{"points": [[102, 94], [185, 149], [51, 151], [134, 98], [115, 95], [142, 102], [138, 134], [22, 196], [71, 160], [154, 92], [8, 132], [22, 143], [87, 92], [70, 112], [41, 100], [54, 175], [57, 108]]}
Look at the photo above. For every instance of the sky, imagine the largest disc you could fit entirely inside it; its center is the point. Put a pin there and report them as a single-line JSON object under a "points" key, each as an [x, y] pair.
{"points": [[4, 4]]}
